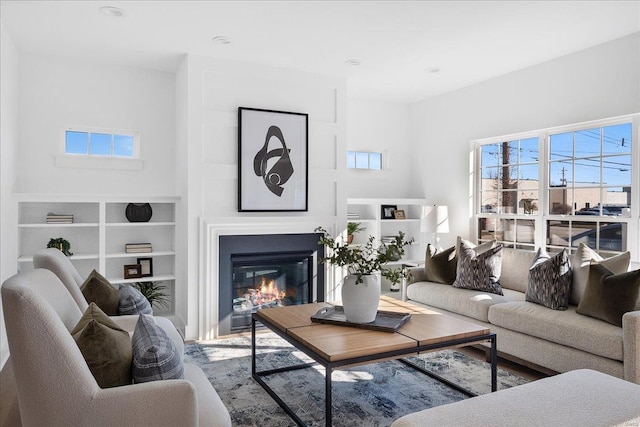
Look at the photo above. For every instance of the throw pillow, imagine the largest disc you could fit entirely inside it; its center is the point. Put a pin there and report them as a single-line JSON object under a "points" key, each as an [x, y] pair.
{"points": [[105, 347], [440, 266], [132, 301], [549, 281], [580, 265], [155, 356], [96, 288], [608, 296], [479, 271]]}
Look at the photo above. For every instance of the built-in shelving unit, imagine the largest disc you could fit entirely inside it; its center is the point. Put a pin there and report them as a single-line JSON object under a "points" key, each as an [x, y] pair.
{"points": [[369, 213], [98, 236]]}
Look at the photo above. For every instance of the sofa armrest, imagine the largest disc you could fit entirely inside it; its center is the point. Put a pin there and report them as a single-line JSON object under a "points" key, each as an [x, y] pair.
{"points": [[417, 274], [157, 403], [631, 345]]}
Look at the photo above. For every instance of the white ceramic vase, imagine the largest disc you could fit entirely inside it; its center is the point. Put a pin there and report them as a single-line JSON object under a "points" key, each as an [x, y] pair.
{"points": [[360, 301]]}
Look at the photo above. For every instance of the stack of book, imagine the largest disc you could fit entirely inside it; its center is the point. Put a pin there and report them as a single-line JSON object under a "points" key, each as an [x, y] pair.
{"points": [[53, 218], [353, 215], [137, 248], [388, 239]]}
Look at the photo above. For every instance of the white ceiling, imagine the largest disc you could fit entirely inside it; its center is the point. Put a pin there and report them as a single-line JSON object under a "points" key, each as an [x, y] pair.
{"points": [[395, 41]]}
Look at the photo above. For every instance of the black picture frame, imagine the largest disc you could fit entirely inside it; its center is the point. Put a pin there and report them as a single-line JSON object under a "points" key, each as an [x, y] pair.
{"points": [[273, 160], [132, 271], [386, 211], [146, 266]]}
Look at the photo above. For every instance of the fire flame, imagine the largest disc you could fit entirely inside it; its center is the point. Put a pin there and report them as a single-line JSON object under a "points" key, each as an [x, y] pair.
{"points": [[266, 293]]}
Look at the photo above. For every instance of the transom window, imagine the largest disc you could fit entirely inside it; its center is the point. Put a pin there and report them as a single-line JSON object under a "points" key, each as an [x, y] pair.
{"points": [[120, 144], [561, 187], [364, 160]]}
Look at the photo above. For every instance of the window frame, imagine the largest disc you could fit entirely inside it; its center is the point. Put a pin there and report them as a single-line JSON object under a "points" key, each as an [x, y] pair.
{"points": [[368, 153], [543, 218]]}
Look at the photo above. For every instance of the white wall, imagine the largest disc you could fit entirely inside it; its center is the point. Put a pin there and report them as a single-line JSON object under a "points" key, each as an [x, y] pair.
{"points": [[56, 93], [600, 82], [207, 124], [378, 126], [8, 147]]}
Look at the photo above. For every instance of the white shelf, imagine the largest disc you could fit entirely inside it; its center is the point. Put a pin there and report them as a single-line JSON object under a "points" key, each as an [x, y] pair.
{"points": [[140, 254], [99, 234]]}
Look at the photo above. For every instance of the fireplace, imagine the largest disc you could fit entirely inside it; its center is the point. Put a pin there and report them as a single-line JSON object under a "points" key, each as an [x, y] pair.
{"points": [[265, 271]]}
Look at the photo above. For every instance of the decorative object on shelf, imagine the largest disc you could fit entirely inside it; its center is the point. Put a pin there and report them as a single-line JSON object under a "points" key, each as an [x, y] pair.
{"points": [[155, 292], [53, 218], [132, 271], [386, 211], [62, 244], [138, 212], [361, 287], [435, 219], [353, 228], [272, 160], [399, 214], [135, 248], [146, 266]]}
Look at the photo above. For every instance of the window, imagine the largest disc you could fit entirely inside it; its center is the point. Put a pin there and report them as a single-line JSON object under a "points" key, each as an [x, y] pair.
{"points": [[560, 187], [364, 160], [102, 143]]}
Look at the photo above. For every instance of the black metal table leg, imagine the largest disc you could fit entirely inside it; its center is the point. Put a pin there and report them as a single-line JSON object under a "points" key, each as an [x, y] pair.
{"points": [[494, 363], [327, 396]]}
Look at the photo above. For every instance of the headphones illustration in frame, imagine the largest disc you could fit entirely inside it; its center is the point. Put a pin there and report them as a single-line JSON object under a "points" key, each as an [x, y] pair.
{"points": [[281, 171]]}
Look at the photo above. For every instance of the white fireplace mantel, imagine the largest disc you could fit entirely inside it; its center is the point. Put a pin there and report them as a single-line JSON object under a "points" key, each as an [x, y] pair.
{"points": [[210, 231]]}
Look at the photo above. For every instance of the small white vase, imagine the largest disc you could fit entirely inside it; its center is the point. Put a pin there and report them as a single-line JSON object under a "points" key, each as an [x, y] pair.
{"points": [[360, 301]]}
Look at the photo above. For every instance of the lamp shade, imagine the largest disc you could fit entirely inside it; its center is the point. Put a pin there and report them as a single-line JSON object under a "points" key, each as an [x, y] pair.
{"points": [[435, 219]]}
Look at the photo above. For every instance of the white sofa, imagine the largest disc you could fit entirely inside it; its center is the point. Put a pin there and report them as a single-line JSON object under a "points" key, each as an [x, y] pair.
{"points": [[578, 398], [560, 341], [55, 386]]}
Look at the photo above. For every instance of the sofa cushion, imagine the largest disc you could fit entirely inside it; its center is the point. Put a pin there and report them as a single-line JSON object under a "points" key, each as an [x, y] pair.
{"points": [[96, 288], [440, 266], [515, 268], [105, 347], [609, 296], [580, 263], [132, 301], [562, 327], [549, 280], [471, 303], [479, 270], [155, 356]]}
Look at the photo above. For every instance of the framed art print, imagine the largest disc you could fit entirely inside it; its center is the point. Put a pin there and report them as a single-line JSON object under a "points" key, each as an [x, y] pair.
{"points": [[273, 161]]}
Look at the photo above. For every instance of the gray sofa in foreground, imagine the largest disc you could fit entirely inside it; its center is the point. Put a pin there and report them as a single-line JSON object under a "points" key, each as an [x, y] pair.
{"points": [[559, 341]]}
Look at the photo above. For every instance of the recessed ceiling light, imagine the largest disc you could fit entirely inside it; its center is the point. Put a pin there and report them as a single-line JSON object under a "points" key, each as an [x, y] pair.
{"points": [[432, 70], [112, 11], [352, 62], [221, 40]]}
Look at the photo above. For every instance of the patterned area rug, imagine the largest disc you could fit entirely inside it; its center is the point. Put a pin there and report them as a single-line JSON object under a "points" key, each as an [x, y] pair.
{"points": [[371, 395]]}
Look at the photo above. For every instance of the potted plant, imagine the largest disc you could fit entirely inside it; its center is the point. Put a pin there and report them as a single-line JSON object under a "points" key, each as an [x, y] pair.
{"points": [[361, 286], [154, 292], [61, 244], [395, 276], [353, 228]]}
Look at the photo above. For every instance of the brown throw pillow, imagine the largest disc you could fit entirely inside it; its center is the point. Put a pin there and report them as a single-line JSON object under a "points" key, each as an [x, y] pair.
{"points": [[580, 263], [440, 266], [96, 288], [608, 296], [105, 347]]}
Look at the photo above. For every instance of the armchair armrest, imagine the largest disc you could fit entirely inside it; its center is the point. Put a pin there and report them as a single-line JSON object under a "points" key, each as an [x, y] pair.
{"points": [[631, 345], [157, 403]]}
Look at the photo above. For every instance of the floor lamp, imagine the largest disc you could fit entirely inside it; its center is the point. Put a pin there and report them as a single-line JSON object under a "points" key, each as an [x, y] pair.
{"points": [[435, 219]]}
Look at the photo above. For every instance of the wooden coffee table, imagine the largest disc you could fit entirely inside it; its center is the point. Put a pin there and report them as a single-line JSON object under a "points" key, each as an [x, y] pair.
{"points": [[334, 346]]}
